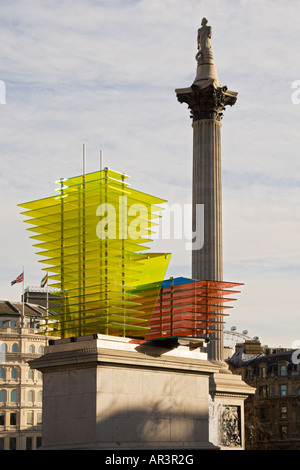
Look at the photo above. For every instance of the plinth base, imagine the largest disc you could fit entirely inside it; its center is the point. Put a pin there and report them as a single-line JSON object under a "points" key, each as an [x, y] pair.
{"points": [[103, 392], [226, 421]]}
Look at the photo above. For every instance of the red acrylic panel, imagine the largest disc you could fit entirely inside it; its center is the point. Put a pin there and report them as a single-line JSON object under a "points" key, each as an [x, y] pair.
{"points": [[190, 309]]}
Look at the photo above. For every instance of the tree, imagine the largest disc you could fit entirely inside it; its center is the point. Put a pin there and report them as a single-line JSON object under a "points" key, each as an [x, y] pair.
{"points": [[257, 433]]}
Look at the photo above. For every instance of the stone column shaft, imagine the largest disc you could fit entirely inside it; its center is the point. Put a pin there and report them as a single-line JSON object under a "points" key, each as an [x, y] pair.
{"points": [[207, 263], [206, 102]]}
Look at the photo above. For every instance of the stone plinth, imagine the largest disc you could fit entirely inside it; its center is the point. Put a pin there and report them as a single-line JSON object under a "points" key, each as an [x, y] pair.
{"points": [[227, 424], [205, 73], [103, 392]]}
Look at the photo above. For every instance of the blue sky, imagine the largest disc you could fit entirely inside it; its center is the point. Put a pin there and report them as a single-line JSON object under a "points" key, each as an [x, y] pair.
{"points": [[104, 73]]}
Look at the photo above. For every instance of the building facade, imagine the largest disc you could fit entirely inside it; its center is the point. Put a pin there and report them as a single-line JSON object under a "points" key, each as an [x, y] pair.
{"points": [[20, 386], [273, 414]]}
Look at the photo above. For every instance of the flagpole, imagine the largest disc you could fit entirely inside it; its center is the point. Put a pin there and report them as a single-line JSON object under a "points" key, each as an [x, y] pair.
{"points": [[47, 305], [47, 297], [23, 306], [101, 160]]}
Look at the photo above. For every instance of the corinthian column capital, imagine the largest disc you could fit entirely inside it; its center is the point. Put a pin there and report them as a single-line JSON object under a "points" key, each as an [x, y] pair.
{"points": [[206, 102]]}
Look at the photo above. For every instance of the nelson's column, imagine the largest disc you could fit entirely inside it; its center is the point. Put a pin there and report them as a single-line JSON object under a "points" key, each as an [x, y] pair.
{"points": [[207, 99]]}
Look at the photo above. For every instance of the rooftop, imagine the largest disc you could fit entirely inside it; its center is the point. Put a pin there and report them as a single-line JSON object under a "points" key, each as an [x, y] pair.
{"points": [[12, 308]]}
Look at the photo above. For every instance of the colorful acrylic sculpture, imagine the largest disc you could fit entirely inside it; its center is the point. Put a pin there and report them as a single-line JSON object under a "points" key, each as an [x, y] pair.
{"points": [[186, 307], [92, 238]]}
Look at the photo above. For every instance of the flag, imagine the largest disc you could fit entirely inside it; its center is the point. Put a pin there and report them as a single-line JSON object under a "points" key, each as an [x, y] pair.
{"points": [[44, 280], [18, 279]]}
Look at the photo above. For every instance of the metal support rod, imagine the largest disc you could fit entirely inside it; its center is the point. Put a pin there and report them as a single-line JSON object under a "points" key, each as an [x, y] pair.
{"points": [[101, 160], [84, 160]]}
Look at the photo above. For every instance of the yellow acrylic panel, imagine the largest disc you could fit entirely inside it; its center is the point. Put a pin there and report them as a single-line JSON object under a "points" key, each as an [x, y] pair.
{"points": [[93, 238]]}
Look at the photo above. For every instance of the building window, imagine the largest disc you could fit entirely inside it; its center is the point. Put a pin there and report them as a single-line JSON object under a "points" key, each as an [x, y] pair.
{"points": [[40, 375], [31, 348], [263, 372], [40, 349], [282, 390], [283, 412], [1, 443], [40, 396], [2, 419], [30, 395], [2, 396], [2, 373], [298, 411], [12, 324], [38, 441], [264, 414], [283, 432], [12, 443], [28, 443], [29, 421], [13, 419], [263, 391], [282, 371], [13, 396], [30, 374], [14, 348], [3, 347], [14, 373], [39, 418]]}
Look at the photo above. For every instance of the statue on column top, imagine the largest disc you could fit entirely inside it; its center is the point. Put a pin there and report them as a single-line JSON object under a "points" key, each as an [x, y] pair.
{"points": [[204, 54]]}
